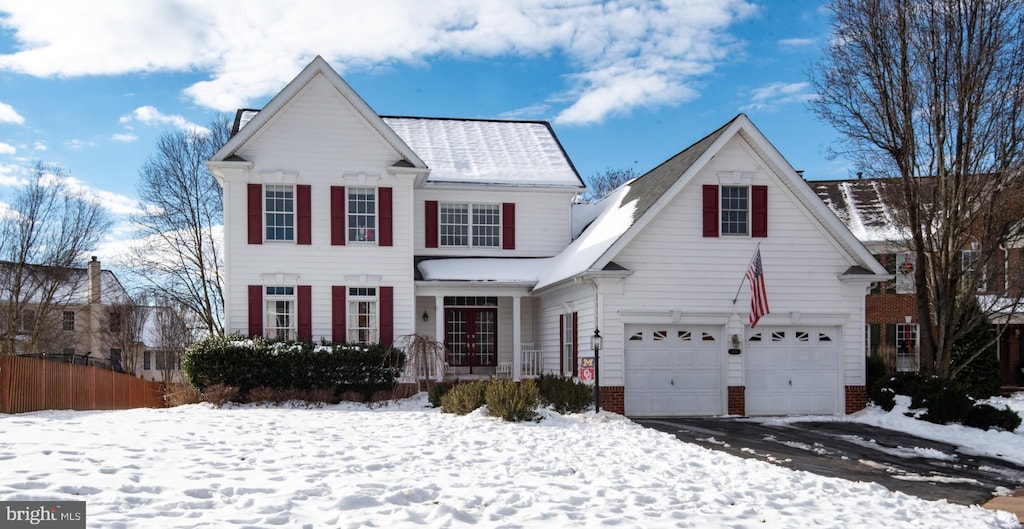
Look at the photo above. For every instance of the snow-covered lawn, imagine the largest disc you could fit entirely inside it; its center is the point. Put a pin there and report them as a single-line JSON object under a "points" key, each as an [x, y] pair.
{"points": [[405, 465]]}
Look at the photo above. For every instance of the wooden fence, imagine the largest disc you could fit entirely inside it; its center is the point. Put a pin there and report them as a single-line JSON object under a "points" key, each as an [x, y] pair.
{"points": [[32, 384]]}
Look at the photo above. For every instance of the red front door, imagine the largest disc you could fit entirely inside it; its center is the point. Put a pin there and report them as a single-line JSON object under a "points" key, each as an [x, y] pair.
{"points": [[471, 337]]}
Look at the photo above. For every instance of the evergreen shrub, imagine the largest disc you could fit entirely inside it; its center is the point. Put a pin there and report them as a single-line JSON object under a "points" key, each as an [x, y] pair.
{"points": [[437, 391], [564, 394], [465, 397], [986, 417], [250, 363], [512, 401]]}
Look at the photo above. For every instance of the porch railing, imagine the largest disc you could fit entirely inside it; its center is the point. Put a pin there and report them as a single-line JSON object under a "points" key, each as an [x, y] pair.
{"points": [[532, 363]]}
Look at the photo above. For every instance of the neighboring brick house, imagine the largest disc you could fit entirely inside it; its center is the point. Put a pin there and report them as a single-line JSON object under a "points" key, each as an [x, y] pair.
{"points": [[344, 225], [891, 324]]}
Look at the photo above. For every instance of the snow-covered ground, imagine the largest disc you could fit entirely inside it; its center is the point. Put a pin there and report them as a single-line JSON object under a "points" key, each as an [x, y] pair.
{"points": [[405, 465]]}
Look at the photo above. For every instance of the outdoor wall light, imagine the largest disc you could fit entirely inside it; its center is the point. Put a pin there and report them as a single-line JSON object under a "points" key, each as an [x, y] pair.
{"points": [[426, 317], [735, 349]]}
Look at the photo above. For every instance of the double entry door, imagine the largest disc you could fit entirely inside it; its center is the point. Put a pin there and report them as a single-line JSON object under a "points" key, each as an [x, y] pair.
{"points": [[471, 337]]}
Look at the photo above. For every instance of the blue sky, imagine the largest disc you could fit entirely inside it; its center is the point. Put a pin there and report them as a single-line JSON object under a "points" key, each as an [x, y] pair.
{"points": [[625, 84]]}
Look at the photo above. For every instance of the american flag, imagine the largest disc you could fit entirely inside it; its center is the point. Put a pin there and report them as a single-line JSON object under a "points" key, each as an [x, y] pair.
{"points": [[758, 296]]}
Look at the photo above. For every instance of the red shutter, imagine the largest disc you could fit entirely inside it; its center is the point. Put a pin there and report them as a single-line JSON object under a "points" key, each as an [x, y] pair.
{"points": [[711, 211], [508, 226], [337, 215], [387, 315], [575, 343], [384, 196], [255, 213], [305, 313], [430, 222], [759, 211], [561, 345], [303, 222], [338, 329], [255, 310]]}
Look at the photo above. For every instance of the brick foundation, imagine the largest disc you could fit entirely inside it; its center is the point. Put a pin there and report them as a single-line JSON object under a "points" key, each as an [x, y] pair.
{"points": [[613, 399], [737, 400], [856, 398]]}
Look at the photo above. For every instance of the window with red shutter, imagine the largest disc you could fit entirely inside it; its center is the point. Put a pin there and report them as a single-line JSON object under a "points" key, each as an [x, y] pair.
{"points": [[255, 310], [337, 215], [338, 318], [387, 315], [710, 211], [430, 223], [759, 211], [303, 214], [255, 213], [305, 313], [508, 226], [384, 195]]}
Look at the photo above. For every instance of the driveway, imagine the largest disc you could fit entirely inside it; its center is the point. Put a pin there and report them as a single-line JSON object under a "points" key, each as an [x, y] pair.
{"points": [[928, 469]]}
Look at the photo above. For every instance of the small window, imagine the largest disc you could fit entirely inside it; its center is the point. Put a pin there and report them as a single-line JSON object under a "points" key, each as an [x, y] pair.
{"points": [[685, 336], [362, 315], [471, 301], [280, 313], [705, 337], [68, 351], [362, 214], [115, 360], [973, 268], [147, 360], [735, 210], [28, 320], [660, 336], [906, 347], [755, 338], [115, 321], [802, 336], [778, 336], [280, 213], [68, 320], [822, 337], [637, 337]]}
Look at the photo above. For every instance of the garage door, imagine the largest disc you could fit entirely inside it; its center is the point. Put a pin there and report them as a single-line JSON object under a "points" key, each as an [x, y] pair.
{"points": [[674, 371], [792, 370]]}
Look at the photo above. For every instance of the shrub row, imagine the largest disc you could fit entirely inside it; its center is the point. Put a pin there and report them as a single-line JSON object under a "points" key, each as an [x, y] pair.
{"points": [[944, 401], [512, 401], [246, 364]]}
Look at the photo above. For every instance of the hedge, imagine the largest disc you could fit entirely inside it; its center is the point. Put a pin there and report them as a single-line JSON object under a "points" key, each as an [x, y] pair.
{"points": [[248, 363]]}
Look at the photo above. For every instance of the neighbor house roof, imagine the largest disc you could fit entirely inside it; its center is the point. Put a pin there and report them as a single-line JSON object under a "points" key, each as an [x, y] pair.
{"points": [[74, 285], [860, 204]]}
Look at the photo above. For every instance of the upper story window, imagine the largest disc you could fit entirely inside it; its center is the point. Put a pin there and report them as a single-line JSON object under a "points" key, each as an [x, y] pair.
{"points": [[473, 225], [28, 320], [114, 319], [68, 320], [279, 211], [280, 312], [973, 269], [362, 214], [735, 210], [362, 315]]}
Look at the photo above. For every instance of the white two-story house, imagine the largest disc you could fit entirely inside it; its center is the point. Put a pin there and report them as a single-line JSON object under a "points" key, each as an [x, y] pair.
{"points": [[344, 225]]}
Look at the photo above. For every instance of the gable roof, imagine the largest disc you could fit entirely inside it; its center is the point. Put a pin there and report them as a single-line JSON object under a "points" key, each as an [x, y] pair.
{"points": [[860, 204], [487, 151], [318, 66], [628, 209], [73, 288]]}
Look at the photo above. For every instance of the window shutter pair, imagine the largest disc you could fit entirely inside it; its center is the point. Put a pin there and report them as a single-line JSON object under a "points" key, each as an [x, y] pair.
{"points": [[758, 211], [386, 307], [304, 217], [303, 214], [432, 223], [385, 216], [303, 311]]}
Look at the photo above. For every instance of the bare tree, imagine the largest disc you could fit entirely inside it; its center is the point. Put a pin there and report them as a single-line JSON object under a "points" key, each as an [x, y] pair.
{"points": [[180, 257], [44, 236], [425, 359], [173, 335], [930, 93], [127, 321], [599, 185]]}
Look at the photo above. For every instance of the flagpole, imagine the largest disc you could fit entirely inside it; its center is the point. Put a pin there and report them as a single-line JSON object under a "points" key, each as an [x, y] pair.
{"points": [[752, 256]]}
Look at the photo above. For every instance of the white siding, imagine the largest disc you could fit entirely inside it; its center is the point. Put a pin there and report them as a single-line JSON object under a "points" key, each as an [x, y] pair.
{"points": [[675, 268], [318, 140], [543, 220]]}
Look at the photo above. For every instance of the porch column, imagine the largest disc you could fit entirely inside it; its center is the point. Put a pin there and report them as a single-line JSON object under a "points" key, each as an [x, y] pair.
{"points": [[439, 332], [517, 338]]}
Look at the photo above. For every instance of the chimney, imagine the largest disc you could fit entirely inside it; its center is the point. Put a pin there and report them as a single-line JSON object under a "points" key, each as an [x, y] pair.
{"points": [[94, 281]]}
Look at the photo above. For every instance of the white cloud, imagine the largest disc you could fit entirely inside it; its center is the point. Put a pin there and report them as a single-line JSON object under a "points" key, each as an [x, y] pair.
{"points": [[249, 53], [113, 202], [774, 95], [9, 115], [797, 43], [39, 146], [76, 144], [149, 115], [529, 112], [6, 148], [125, 138]]}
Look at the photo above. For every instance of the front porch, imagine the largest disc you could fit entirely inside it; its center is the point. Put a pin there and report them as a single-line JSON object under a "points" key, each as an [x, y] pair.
{"points": [[485, 332]]}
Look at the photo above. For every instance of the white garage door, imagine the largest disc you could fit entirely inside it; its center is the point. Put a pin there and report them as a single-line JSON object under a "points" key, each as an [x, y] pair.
{"points": [[674, 370], [792, 370]]}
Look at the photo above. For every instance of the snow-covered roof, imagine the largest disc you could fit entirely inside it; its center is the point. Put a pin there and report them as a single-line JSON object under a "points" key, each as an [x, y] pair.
{"points": [[74, 287], [472, 151], [860, 204], [523, 270]]}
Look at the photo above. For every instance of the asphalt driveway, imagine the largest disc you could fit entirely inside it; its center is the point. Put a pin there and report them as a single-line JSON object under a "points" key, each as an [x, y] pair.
{"points": [[928, 469]]}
